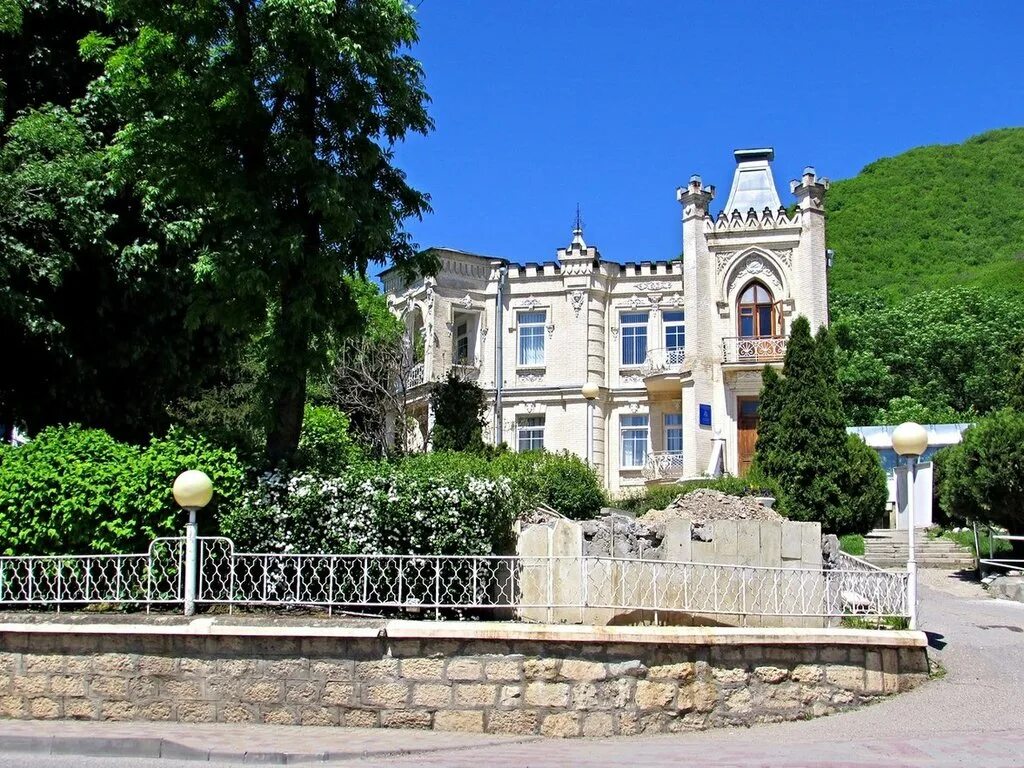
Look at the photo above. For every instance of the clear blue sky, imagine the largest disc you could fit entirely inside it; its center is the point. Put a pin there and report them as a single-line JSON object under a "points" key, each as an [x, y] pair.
{"points": [[540, 104]]}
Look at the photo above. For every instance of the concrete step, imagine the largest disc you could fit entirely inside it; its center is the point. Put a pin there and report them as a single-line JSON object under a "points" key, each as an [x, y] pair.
{"points": [[888, 548]]}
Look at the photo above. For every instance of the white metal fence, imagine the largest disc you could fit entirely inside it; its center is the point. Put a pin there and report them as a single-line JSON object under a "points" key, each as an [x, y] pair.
{"points": [[527, 588]]}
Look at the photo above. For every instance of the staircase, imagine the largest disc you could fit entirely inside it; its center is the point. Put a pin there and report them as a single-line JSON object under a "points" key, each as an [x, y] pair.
{"points": [[887, 548]]}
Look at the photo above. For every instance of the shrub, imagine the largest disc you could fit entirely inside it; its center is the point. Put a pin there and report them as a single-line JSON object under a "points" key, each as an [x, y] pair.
{"points": [[852, 543], [147, 502], [59, 493], [459, 408], [982, 478], [375, 508], [326, 446], [563, 481], [73, 490]]}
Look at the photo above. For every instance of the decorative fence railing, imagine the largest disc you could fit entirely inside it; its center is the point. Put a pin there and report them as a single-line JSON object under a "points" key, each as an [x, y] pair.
{"points": [[525, 588], [766, 349], [663, 465]]}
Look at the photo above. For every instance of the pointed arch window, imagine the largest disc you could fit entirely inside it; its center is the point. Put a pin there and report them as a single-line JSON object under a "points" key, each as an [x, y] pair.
{"points": [[756, 312]]}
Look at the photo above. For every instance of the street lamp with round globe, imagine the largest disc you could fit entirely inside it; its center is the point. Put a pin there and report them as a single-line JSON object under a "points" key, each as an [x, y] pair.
{"points": [[192, 490], [910, 440]]}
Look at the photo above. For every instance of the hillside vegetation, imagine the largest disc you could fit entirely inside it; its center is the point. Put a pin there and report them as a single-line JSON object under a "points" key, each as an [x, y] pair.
{"points": [[934, 217], [928, 281]]}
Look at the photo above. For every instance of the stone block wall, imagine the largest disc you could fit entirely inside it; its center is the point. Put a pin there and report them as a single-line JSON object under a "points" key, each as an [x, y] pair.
{"points": [[555, 686]]}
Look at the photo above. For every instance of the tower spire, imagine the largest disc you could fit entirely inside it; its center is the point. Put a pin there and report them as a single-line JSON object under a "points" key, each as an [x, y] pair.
{"points": [[577, 230]]}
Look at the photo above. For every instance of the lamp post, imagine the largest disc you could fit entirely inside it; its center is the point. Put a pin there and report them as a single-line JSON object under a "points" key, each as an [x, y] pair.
{"points": [[192, 490], [590, 391], [910, 440]]}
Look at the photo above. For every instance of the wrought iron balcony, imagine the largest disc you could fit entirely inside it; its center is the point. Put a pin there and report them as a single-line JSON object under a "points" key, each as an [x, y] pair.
{"points": [[415, 375], [663, 465], [764, 349]]}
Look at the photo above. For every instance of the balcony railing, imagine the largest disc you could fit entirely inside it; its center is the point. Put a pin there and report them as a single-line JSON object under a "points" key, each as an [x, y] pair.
{"points": [[415, 375], [663, 465], [663, 361], [765, 349]]}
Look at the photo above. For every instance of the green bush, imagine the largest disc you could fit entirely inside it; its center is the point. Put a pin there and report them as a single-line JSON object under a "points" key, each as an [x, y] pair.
{"points": [[563, 481], [982, 478], [326, 446], [147, 501], [73, 490], [60, 493], [377, 507]]}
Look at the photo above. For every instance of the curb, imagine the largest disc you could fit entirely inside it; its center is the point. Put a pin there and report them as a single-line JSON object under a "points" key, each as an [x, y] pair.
{"points": [[130, 746], [155, 748]]}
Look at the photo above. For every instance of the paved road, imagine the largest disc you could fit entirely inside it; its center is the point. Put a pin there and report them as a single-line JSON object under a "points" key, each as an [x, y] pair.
{"points": [[971, 717]]}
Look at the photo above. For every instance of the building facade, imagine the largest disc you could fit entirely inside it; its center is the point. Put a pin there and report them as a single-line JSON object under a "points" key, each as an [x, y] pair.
{"points": [[673, 350]]}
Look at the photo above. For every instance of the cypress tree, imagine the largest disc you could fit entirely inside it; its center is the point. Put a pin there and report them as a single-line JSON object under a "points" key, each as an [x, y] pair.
{"points": [[802, 441]]}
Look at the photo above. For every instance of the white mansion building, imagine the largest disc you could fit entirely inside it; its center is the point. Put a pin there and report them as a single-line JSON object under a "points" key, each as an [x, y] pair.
{"points": [[672, 350]]}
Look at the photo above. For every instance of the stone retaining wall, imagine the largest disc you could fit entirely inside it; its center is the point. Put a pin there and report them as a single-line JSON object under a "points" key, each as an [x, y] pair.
{"points": [[452, 677]]}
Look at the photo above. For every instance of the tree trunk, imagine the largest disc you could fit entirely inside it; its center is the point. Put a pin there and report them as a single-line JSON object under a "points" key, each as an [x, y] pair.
{"points": [[286, 410]]}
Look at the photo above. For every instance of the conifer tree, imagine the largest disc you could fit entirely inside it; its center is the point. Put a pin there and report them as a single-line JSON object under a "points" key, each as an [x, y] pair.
{"points": [[802, 441]]}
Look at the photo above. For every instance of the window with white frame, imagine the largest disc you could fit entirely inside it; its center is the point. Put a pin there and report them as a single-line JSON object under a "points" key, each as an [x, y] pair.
{"points": [[531, 337], [633, 332], [675, 336], [530, 435], [674, 432], [634, 432]]}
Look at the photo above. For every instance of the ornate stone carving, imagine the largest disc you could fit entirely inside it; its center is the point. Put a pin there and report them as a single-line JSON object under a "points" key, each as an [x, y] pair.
{"points": [[551, 330], [785, 257], [722, 260], [634, 407], [530, 378], [654, 285], [530, 407], [467, 301], [577, 298], [528, 303], [676, 300], [755, 266], [634, 379]]}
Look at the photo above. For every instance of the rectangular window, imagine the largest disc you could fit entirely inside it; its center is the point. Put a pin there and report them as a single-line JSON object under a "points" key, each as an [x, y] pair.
{"points": [[531, 338], [462, 343], [633, 329], [674, 432], [530, 433], [634, 430], [675, 337]]}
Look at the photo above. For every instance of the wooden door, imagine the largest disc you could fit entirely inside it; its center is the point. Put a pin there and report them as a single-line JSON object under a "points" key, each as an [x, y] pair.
{"points": [[746, 430]]}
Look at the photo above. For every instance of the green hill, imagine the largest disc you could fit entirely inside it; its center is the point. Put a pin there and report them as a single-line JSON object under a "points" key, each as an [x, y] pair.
{"points": [[934, 217]]}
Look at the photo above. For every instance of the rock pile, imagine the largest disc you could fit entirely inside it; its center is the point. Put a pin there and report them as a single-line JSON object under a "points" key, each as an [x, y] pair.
{"points": [[707, 505]]}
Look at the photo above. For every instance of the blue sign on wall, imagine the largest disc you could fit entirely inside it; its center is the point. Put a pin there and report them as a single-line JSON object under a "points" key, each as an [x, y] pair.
{"points": [[705, 415]]}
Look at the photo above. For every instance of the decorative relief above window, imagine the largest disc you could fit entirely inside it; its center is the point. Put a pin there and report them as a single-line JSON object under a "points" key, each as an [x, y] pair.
{"points": [[654, 285], [755, 266]]}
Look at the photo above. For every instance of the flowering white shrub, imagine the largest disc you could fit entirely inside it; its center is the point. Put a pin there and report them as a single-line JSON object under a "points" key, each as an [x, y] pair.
{"points": [[377, 508]]}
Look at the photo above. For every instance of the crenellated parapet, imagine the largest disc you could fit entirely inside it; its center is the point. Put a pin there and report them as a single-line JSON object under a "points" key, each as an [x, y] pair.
{"points": [[752, 220]]}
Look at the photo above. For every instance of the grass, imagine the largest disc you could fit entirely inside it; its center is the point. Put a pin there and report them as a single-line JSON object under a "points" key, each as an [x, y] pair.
{"points": [[852, 544], [875, 622]]}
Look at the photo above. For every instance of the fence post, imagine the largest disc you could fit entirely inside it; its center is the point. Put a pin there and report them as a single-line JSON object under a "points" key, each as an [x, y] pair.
{"points": [[190, 564]]}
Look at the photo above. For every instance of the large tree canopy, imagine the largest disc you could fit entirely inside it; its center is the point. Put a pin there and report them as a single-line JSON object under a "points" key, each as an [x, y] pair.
{"points": [[260, 134]]}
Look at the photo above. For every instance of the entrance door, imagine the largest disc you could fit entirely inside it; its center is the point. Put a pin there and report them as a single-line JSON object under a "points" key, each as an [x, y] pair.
{"points": [[746, 431]]}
